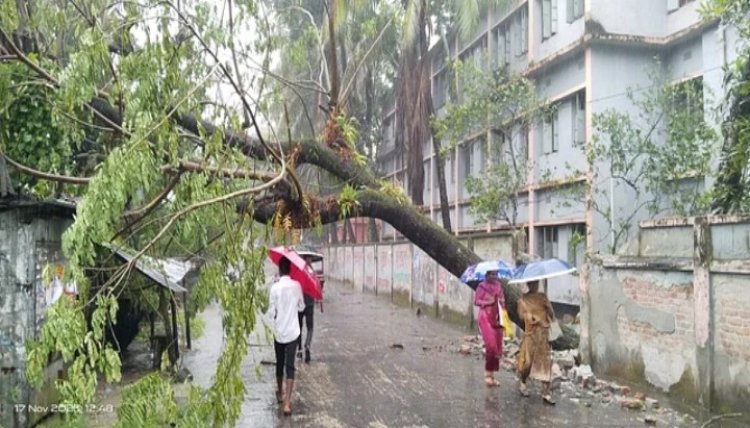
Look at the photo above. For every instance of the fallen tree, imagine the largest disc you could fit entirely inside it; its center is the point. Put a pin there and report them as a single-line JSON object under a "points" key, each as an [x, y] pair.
{"points": [[128, 131]]}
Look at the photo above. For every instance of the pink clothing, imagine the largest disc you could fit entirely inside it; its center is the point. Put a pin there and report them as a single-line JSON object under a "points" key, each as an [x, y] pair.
{"points": [[489, 321]]}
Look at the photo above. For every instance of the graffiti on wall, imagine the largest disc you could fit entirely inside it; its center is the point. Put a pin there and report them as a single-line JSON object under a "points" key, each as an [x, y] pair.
{"points": [[423, 283], [402, 267]]}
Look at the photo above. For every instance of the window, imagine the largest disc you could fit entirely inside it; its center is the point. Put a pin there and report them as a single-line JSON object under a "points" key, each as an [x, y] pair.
{"points": [[502, 46], [673, 5], [576, 244], [453, 166], [549, 18], [550, 130], [467, 153], [475, 55], [524, 143], [687, 98], [575, 10], [428, 168], [440, 88], [547, 243], [579, 118], [521, 32]]}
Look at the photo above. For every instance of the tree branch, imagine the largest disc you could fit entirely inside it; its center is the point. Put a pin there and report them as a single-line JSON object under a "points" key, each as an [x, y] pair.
{"points": [[45, 175]]}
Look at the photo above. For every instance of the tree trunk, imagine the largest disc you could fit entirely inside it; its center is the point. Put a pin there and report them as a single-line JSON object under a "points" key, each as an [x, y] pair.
{"points": [[440, 245], [333, 233], [373, 228], [350, 231], [445, 209], [406, 218], [333, 63]]}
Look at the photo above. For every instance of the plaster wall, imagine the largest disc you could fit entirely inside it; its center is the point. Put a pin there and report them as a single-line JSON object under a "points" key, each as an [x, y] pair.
{"points": [[424, 273], [370, 268], [402, 273], [674, 313], [385, 270], [636, 17], [358, 266]]}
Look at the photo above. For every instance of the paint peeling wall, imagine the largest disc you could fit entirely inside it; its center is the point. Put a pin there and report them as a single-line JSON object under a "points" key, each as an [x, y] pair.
{"points": [[674, 310], [407, 276], [29, 242]]}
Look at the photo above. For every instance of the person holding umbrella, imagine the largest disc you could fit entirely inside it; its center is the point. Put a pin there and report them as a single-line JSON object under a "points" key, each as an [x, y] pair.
{"points": [[490, 299], [285, 302], [535, 310], [306, 316], [534, 358]]}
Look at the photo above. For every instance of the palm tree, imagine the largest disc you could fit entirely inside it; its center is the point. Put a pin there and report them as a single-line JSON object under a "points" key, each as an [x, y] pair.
{"points": [[414, 106]]}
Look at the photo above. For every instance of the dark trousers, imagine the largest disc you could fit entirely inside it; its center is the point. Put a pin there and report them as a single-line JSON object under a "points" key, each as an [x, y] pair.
{"points": [[307, 314], [285, 358]]}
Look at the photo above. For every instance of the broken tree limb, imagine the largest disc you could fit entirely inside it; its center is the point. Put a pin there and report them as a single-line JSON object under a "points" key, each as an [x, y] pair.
{"points": [[443, 247]]}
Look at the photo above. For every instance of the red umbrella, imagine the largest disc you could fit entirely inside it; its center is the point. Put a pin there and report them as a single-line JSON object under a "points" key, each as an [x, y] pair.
{"points": [[301, 271]]}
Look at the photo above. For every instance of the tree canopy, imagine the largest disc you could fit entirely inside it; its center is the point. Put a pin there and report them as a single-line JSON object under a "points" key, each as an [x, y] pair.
{"points": [[180, 134]]}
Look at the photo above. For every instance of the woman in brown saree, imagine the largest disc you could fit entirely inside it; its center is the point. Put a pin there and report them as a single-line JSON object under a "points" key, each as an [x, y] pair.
{"points": [[534, 359]]}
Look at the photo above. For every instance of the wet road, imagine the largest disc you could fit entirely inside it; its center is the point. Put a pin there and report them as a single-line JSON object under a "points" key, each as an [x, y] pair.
{"points": [[357, 378]]}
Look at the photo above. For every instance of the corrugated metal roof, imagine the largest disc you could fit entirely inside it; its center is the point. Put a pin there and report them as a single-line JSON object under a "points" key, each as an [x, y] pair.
{"points": [[167, 272]]}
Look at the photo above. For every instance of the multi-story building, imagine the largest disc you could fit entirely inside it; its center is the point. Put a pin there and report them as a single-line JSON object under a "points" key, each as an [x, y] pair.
{"points": [[585, 57]]}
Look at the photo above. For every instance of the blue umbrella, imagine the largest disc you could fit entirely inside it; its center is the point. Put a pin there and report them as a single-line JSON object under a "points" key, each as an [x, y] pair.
{"points": [[541, 269], [475, 274]]}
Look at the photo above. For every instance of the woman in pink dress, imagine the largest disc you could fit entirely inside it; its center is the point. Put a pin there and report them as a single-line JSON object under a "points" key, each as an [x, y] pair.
{"points": [[490, 298]]}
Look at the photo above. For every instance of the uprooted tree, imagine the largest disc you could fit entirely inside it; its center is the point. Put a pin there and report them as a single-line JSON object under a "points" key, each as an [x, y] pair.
{"points": [[140, 109]]}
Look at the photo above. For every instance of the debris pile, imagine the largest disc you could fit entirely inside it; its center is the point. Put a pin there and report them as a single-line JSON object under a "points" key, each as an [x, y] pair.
{"points": [[574, 380]]}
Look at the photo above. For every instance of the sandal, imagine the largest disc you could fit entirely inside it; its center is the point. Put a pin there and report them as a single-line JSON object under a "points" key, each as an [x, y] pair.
{"points": [[523, 390], [548, 400], [490, 381]]}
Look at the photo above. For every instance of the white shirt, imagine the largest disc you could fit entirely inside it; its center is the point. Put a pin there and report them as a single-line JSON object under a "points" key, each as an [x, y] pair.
{"points": [[285, 302]]}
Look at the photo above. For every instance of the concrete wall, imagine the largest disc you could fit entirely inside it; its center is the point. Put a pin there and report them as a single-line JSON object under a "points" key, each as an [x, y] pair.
{"points": [[406, 275], [370, 261], [30, 240], [672, 310]]}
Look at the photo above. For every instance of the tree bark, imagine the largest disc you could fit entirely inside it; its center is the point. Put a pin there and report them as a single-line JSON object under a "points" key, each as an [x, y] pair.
{"points": [[425, 234], [373, 229], [445, 209], [406, 218], [350, 231]]}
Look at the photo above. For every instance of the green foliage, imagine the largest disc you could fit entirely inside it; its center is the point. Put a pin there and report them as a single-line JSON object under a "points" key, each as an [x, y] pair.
{"points": [[507, 104], [732, 186], [657, 155], [348, 201], [148, 402], [47, 124], [29, 131], [395, 192]]}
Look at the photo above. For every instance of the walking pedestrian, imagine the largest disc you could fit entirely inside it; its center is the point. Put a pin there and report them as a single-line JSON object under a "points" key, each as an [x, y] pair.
{"points": [[534, 358], [285, 302], [307, 315], [490, 299]]}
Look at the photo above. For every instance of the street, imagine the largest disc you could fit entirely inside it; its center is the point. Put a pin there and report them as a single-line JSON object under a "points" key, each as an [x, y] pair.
{"points": [[375, 364]]}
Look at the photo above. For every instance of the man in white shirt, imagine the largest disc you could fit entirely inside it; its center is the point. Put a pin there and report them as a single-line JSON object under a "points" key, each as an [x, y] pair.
{"points": [[285, 302]]}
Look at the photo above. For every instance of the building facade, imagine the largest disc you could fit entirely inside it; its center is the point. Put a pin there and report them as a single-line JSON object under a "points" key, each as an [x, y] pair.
{"points": [[586, 58]]}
